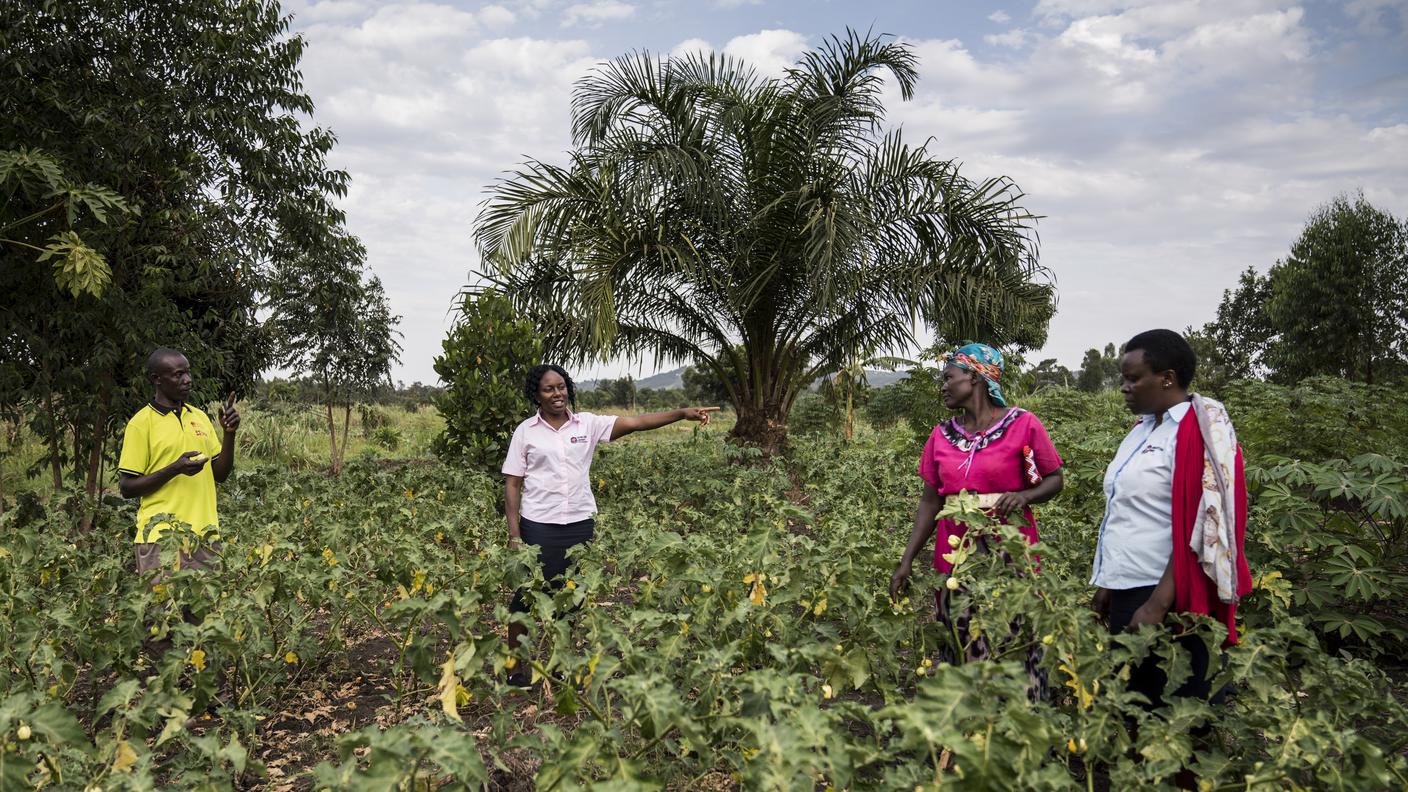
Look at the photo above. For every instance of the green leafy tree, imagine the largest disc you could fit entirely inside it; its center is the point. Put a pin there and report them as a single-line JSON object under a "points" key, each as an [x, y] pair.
{"points": [[703, 386], [35, 195], [769, 230], [1234, 346], [1099, 370], [483, 363], [1050, 374], [1336, 306], [193, 117], [1339, 303], [334, 326]]}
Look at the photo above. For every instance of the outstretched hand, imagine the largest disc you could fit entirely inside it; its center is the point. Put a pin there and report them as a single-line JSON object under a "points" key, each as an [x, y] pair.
{"points": [[700, 414]]}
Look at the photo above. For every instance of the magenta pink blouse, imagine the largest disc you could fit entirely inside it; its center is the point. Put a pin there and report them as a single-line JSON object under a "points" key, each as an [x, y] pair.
{"points": [[955, 460]]}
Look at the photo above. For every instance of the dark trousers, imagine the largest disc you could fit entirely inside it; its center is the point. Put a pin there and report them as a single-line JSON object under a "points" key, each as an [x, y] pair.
{"points": [[1147, 677], [553, 541]]}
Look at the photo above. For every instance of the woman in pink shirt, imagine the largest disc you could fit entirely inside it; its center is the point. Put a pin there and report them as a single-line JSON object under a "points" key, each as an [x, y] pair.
{"points": [[989, 448], [548, 490]]}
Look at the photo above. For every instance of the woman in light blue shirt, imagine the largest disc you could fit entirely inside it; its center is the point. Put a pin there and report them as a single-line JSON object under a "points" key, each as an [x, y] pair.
{"points": [[1134, 566]]}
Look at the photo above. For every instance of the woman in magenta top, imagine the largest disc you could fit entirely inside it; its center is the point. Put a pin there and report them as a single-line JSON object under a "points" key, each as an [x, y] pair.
{"points": [[989, 448]]}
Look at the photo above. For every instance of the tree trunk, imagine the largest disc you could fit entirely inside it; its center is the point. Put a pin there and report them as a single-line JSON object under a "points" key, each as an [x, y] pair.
{"points": [[332, 442], [346, 423], [95, 460], [54, 463], [764, 426], [850, 413]]}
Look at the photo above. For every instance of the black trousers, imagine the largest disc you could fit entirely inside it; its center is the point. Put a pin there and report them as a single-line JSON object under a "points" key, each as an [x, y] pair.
{"points": [[1147, 677], [553, 541]]}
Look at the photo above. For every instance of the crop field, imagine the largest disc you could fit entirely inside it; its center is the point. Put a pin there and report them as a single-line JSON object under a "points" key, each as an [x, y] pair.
{"points": [[731, 630]]}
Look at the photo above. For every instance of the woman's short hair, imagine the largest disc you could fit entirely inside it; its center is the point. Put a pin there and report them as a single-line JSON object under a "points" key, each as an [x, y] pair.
{"points": [[1165, 350], [535, 379]]}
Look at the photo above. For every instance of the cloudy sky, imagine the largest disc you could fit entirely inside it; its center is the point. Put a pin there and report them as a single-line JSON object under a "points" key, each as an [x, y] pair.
{"points": [[1169, 144]]}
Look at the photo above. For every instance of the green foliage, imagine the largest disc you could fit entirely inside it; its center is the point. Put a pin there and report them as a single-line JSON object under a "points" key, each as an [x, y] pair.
{"points": [[888, 404], [334, 326], [703, 386], [160, 156], [814, 412], [1339, 302], [732, 630], [1100, 370], [1336, 306], [483, 364], [37, 193], [769, 230], [1319, 419], [1338, 535], [1233, 347]]}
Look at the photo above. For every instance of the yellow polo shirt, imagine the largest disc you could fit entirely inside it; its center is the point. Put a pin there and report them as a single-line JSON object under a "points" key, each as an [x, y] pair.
{"points": [[155, 438]]}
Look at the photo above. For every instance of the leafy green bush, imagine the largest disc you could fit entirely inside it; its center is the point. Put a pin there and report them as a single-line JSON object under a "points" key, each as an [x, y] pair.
{"points": [[1320, 418], [484, 361], [1337, 533], [388, 437], [888, 404], [813, 413]]}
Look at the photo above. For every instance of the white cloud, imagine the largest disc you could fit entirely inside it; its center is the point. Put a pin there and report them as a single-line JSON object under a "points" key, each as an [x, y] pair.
{"points": [[410, 26], [1169, 144], [1000, 17], [496, 17], [691, 45], [771, 52], [1016, 38], [596, 12]]}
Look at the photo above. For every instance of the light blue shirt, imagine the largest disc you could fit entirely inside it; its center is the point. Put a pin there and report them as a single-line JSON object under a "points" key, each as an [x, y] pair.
{"points": [[1136, 536]]}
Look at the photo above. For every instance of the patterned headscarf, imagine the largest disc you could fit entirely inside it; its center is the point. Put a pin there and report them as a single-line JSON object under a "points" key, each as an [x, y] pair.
{"points": [[984, 360]]}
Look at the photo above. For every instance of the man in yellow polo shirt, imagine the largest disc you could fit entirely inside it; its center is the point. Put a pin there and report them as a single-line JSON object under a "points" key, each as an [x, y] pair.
{"points": [[172, 461]]}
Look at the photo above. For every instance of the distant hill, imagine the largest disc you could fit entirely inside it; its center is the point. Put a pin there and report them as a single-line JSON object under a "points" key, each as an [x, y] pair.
{"points": [[878, 378], [667, 379]]}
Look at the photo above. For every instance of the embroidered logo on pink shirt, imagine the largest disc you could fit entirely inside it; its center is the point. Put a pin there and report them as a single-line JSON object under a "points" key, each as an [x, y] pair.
{"points": [[578, 439]]}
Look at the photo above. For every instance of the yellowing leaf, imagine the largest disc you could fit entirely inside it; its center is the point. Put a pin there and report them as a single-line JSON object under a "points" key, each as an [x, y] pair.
{"points": [[125, 758], [760, 593], [448, 691]]}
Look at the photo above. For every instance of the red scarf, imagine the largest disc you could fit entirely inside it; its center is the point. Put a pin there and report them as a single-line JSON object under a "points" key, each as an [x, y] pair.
{"points": [[1193, 590]]}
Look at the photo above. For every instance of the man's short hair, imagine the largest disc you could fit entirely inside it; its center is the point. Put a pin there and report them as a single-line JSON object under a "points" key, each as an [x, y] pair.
{"points": [[1165, 350], [158, 355]]}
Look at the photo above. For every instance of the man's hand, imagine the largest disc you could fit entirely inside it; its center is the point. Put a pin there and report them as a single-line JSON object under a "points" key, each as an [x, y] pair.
{"points": [[229, 416], [190, 463], [1009, 502], [700, 414]]}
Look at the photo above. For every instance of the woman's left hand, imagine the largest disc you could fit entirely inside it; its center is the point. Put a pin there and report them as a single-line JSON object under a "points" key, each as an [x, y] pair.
{"points": [[1009, 502], [1148, 613]]}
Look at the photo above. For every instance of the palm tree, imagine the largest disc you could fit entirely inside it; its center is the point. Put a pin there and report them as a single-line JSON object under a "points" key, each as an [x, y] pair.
{"points": [[767, 229]]}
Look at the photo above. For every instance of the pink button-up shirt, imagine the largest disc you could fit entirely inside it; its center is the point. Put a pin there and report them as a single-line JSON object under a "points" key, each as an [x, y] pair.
{"points": [[556, 466]]}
